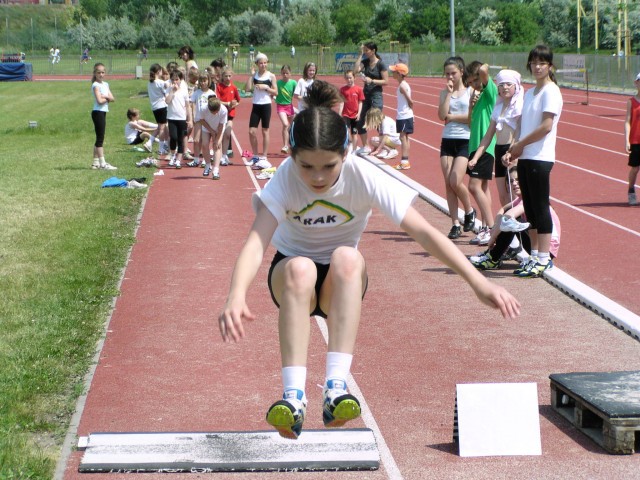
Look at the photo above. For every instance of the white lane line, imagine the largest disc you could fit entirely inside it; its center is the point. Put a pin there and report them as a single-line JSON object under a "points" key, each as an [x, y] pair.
{"points": [[591, 172], [386, 458], [613, 224], [616, 152]]}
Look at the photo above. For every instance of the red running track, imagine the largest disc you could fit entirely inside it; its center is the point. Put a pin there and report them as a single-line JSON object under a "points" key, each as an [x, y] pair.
{"points": [[164, 368]]}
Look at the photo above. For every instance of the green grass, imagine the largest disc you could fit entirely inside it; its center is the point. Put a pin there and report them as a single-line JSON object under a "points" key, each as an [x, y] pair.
{"points": [[63, 244]]}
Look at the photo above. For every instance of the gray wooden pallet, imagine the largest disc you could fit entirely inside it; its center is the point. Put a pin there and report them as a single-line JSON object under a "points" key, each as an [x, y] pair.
{"points": [[315, 450], [603, 405]]}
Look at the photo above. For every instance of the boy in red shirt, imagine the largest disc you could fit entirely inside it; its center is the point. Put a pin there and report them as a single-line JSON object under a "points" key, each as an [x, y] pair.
{"points": [[350, 110], [632, 144], [229, 96]]}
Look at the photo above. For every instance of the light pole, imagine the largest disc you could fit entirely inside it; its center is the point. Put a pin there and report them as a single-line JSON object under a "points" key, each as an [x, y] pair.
{"points": [[452, 26]]}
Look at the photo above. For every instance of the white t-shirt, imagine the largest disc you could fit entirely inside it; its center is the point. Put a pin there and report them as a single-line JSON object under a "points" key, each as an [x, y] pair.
{"points": [[388, 127], [549, 99], [314, 224], [157, 91], [200, 101], [103, 88], [301, 91], [214, 121], [177, 109], [130, 133], [404, 110]]}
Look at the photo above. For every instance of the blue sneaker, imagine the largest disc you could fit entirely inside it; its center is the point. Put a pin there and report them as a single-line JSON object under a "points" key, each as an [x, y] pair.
{"points": [[339, 405], [287, 415], [207, 170]]}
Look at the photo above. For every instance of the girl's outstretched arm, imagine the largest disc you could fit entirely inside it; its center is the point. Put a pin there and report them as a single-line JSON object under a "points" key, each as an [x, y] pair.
{"points": [[444, 250], [235, 310]]}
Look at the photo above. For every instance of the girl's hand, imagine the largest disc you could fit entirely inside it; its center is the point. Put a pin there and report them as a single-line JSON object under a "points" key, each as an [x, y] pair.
{"points": [[231, 318], [472, 163], [515, 150], [497, 297], [506, 159], [450, 86], [474, 98]]}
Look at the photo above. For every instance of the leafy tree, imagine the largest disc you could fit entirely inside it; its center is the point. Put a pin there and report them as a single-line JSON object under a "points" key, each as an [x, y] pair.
{"points": [[351, 21], [166, 29], [259, 28], [222, 32], [95, 8], [384, 16], [264, 28], [487, 29], [430, 18], [558, 22], [521, 23], [307, 29]]}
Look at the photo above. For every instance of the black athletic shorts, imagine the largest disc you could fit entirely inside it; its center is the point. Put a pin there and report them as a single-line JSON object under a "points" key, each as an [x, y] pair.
{"points": [[500, 169], [454, 147], [634, 155], [160, 115], [322, 274], [483, 169], [260, 113]]}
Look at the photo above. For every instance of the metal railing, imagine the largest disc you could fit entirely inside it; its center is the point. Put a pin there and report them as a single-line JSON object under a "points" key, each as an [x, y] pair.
{"points": [[609, 73]]}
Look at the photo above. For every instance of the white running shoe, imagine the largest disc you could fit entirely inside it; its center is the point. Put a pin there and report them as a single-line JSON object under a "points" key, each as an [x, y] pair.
{"points": [[106, 166], [482, 238], [339, 405], [147, 147], [363, 151], [510, 224]]}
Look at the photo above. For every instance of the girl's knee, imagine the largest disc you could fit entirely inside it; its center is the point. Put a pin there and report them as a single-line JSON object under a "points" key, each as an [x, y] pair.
{"points": [[347, 262], [300, 274]]}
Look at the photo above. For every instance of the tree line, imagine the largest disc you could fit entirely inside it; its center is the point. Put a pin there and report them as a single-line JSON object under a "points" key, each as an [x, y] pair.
{"points": [[127, 24]]}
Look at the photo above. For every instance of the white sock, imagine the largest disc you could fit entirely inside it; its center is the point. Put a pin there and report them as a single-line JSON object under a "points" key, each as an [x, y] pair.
{"points": [[294, 378], [216, 171], [96, 161], [534, 253], [543, 258], [515, 243], [151, 140], [338, 365], [102, 161]]}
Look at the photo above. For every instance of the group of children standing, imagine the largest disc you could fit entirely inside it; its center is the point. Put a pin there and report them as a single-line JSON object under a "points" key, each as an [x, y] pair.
{"points": [[202, 105], [496, 129]]}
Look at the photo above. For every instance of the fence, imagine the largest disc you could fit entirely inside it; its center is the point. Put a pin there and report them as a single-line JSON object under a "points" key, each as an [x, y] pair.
{"points": [[610, 73]]}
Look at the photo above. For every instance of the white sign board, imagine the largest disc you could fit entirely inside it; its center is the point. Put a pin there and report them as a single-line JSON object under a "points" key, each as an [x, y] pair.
{"points": [[496, 419]]}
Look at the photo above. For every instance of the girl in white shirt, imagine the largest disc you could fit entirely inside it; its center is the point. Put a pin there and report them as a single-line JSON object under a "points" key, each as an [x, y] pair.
{"points": [[179, 117], [308, 76], [386, 144], [314, 211], [535, 151]]}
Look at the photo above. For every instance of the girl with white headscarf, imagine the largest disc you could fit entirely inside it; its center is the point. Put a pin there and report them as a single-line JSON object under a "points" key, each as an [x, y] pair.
{"points": [[504, 122]]}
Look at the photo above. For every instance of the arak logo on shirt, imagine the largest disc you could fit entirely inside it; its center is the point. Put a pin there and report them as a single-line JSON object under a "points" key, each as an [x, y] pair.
{"points": [[321, 214]]}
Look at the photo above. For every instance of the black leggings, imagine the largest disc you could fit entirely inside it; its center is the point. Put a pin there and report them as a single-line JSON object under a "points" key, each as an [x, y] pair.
{"points": [[177, 131], [100, 125], [533, 176], [504, 240]]}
